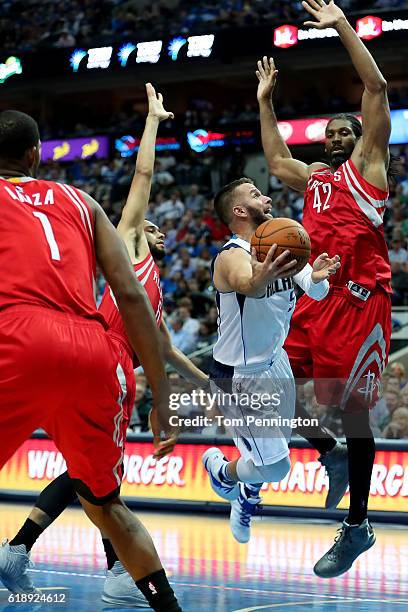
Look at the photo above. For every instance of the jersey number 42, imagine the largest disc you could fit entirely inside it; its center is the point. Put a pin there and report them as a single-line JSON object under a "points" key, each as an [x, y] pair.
{"points": [[322, 198]]}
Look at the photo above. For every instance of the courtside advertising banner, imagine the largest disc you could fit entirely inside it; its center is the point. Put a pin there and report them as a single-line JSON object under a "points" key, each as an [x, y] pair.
{"points": [[181, 476]]}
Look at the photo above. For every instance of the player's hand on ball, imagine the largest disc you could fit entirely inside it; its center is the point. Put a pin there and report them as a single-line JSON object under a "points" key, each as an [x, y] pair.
{"points": [[324, 266], [156, 108], [267, 75], [327, 15], [269, 270]]}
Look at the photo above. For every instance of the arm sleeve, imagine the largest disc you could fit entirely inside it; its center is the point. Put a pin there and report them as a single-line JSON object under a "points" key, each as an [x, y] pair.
{"points": [[316, 291]]}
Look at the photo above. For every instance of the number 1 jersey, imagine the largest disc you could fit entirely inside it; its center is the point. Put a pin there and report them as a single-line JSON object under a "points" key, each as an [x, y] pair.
{"points": [[343, 215], [47, 254]]}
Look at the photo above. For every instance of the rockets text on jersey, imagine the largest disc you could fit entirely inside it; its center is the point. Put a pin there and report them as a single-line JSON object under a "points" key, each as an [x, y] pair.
{"points": [[51, 226], [148, 275], [343, 215]]}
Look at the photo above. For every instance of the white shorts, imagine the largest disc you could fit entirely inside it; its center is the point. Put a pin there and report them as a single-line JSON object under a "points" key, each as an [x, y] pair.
{"points": [[264, 444]]}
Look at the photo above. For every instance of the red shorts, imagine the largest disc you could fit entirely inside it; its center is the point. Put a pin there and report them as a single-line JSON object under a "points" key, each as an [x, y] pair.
{"points": [[342, 343], [61, 373], [127, 380]]}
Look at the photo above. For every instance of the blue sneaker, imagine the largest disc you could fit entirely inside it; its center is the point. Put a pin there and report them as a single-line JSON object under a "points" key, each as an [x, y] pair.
{"points": [[14, 563], [336, 464], [350, 542], [213, 460], [120, 589], [242, 510]]}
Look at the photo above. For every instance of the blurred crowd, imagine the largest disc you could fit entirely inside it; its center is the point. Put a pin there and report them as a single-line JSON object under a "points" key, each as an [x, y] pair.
{"points": [[66, 23], [181, 205], [308, 100]]}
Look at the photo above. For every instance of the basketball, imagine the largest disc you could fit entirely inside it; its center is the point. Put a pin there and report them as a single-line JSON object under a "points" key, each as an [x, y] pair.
{"points": [[288, 235]]}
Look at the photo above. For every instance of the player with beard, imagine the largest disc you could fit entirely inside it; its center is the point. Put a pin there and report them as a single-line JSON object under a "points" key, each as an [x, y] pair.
{"points": [[342, 344], [145, 245], [255, 303]]}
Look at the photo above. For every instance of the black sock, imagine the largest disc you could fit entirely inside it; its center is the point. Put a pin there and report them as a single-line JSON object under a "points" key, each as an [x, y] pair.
{"points": [[316, 436], [111, 556], [361, 453], [158, 592], [28, 535]]}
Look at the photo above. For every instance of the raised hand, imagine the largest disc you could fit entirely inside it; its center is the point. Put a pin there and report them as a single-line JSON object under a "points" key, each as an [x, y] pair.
{"points": [[156, 108], [324, 266], [327, 15], [267, 75]]}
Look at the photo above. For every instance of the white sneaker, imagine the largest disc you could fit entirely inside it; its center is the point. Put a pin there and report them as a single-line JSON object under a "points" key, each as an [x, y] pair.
{"points": [[213, 460], [120, 588], [242, 510], [14, 563]]}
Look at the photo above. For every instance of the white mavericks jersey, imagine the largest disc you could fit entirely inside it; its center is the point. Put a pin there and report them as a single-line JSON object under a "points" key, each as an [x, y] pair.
{"points": [[254, 330]]}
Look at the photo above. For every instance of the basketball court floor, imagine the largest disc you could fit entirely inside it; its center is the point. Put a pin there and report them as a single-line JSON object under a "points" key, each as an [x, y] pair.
{"points": [[210, 572]]}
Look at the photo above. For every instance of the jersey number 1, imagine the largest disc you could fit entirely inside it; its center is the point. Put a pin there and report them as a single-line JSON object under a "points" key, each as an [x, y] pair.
{"points": [[49, 235], [327, 190]]}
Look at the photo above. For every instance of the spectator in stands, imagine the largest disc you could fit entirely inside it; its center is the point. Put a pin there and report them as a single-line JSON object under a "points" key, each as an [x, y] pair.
{"points": [[393, 382], [404, 396], [161, 177], [194, 200], [397, 428], [171, 209], [184, 314], [181, 338], [184, 264], [393, 400], [398, 371], [399, 269], [143, 405]]}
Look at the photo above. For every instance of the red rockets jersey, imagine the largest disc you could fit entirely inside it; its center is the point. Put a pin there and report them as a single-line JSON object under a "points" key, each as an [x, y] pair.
{"points": [[343, 215], [47, 255], [148, 274]]}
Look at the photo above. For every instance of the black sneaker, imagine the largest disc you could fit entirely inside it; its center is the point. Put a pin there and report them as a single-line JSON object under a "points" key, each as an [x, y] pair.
{"points": [[336, 464], [349, 543]]}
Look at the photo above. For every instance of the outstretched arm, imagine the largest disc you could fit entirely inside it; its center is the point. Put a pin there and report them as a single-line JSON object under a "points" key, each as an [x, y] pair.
{"points": [[180, 362], [372, 155], [134, 306], [131, 223], [290, 171]]}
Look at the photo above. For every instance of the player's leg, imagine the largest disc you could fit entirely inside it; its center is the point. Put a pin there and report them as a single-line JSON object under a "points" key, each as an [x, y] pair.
{"points": [[119, 587], [265, 455], [302, 352], [372, 330], [136, 550], [264, 451], [51, 502], [94, 456], [21, 382]]}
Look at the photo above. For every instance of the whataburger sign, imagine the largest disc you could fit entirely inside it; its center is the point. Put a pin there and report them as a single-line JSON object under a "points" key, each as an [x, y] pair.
{"points": [[181, 476]]}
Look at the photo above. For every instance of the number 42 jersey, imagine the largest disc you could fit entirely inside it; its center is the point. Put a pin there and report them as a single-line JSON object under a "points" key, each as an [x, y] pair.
{"points": [[47, 255], [343, 215]]}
